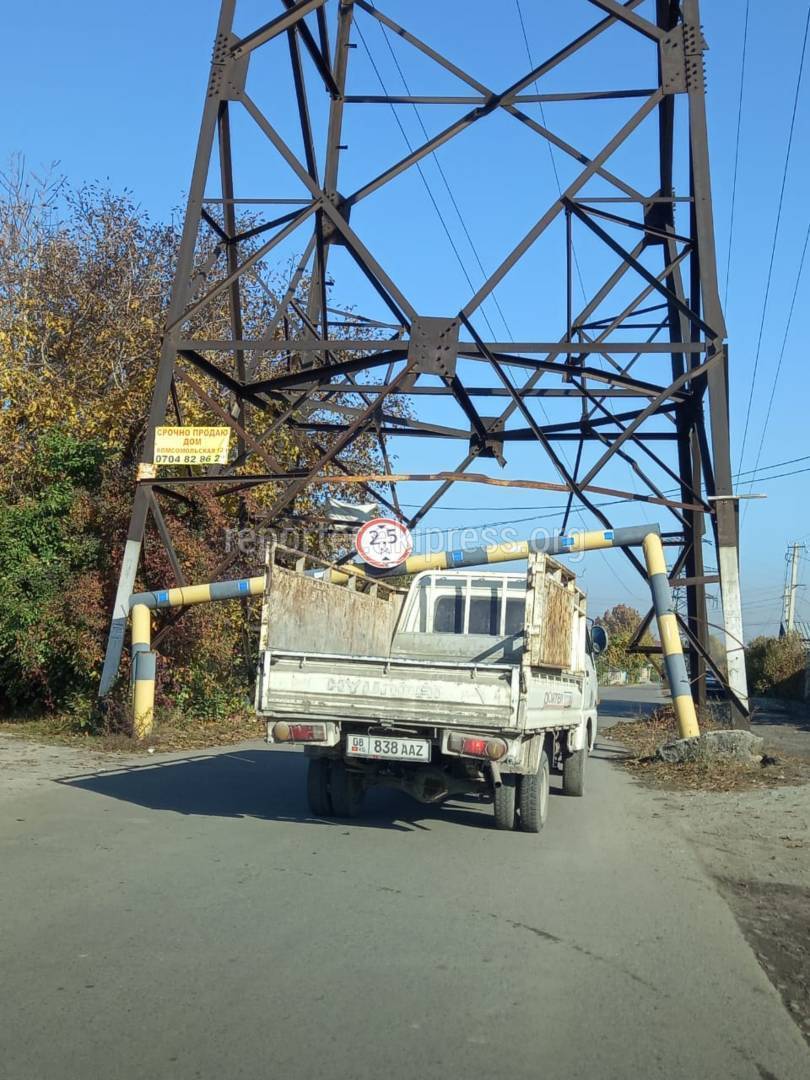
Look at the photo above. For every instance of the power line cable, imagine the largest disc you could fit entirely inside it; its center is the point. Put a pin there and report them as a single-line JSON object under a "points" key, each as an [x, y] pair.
{"points": [[784, 345], [558, 182], [759, 603], [775, 233], [548, 142], [579, 513], [441, 171], [736, 151], [443, 175], [553, 159], [560, 508]]}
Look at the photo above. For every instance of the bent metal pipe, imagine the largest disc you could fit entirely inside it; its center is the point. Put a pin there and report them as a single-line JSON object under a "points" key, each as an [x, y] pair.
{"points": [[644, 536]]}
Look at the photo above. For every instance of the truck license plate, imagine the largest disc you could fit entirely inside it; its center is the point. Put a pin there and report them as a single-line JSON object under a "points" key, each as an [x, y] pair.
{"points": [[375, 746]]}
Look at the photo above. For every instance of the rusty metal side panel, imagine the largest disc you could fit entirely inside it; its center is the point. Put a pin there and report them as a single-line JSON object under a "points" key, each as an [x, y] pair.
{"points": [[533, 620], [557, 623], [307, 614], [552, 600]]}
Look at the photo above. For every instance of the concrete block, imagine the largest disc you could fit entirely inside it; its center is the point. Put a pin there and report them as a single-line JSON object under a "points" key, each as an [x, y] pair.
{"points": [[739, 746]]}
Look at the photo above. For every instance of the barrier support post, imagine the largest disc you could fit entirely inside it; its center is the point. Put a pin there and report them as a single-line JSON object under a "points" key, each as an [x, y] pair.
{"points": [[143, 672], [669, 633]]}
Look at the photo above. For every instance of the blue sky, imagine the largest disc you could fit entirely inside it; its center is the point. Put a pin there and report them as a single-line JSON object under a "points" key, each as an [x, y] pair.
{"points": [[114, 93]]}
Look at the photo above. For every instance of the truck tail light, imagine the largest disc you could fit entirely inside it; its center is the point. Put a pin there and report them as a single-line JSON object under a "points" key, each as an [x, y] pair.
{"points": [[474, 747], [481, 747], [299, 732]]}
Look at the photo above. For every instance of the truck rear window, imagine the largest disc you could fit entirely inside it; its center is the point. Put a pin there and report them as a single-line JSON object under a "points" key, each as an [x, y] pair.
{"points": [[468, 605], [485, 614], [448, 614], [515, 613]]}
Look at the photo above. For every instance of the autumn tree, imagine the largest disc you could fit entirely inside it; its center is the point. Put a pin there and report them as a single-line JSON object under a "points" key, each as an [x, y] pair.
{"points": [[621, 623], [777, 666], [84, 282]]}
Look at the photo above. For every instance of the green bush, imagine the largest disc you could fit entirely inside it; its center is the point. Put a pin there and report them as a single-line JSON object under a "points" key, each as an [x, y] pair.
{"points": [[49, 586], [621, 623], [60, 530], [776, 666], [210, 680]]}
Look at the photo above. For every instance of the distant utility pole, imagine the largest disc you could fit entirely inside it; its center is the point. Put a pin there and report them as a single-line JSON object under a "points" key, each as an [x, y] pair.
{"points": [[791, 585]]}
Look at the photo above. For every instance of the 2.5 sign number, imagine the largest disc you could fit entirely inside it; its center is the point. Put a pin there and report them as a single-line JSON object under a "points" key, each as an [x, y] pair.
{"points": [[384, 542]]}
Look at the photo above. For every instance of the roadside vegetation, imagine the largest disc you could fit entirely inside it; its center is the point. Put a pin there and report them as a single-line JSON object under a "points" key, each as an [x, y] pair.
{"points": [[621, 623], [776, 667], [84, 279]]}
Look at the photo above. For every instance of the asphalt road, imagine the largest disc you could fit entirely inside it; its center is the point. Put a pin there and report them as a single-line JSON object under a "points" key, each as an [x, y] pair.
{"points": [[185, 918]]}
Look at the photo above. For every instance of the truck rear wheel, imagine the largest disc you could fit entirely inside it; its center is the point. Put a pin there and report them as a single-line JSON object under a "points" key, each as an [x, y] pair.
{"points": [[574, 772], [506, 802], [533, 795], [346, 789], [320, 802]]}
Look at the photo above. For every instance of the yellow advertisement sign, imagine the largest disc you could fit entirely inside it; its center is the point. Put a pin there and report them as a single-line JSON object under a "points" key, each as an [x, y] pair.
{"points": [[192, 445]]}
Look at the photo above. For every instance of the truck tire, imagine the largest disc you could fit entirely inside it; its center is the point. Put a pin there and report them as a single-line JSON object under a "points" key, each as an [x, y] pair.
{"points": [[346, 788], [320, 802], [318, 787], [574, 773], [533, 796], [506, 802]]}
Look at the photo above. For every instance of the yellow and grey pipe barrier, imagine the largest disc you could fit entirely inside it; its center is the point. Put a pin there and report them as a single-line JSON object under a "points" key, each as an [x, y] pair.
{"points": [[669, 634], [144, 665], [519, 549], [644, 536]]}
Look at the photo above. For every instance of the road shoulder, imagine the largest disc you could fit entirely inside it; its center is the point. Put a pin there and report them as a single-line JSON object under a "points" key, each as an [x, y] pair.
{"points": [[753, 844]]}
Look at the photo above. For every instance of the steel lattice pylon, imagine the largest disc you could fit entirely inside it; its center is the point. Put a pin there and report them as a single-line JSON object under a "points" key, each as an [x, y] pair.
{"points": [[591, 368]]}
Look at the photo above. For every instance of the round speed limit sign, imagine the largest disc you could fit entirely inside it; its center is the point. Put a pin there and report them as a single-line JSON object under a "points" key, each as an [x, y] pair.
{"points": [[384, 542]]}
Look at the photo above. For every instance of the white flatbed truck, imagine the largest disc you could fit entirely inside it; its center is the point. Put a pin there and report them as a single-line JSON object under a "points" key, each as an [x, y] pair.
{"points": [[471, 682]]}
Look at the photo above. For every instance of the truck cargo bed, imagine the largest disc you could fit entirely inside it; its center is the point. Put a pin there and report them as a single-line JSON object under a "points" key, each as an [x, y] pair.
{"points": [[402, 691]]}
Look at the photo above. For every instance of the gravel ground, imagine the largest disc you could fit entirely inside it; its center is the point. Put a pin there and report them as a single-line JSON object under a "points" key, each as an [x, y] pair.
{"points": [[25, 765], [756, 844]]}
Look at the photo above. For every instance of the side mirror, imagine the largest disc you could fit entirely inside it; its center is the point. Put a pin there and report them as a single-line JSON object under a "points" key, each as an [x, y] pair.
{"points": [[599, 639]]}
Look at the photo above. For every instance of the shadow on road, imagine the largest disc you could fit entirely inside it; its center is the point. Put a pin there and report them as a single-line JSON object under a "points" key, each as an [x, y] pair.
{"points": [[797, 720], [605, 750], [264, 784], [626, 708], [785, 726]]}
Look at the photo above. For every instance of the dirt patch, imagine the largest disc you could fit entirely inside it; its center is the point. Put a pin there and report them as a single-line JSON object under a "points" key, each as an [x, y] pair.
{"points": [[642, 737], [756, 845], [775, 918], [750, 825], [180, 734]]}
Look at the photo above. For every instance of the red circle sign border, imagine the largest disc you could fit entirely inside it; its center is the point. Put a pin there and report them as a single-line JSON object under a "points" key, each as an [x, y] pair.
{"points": [[403, 529]]}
